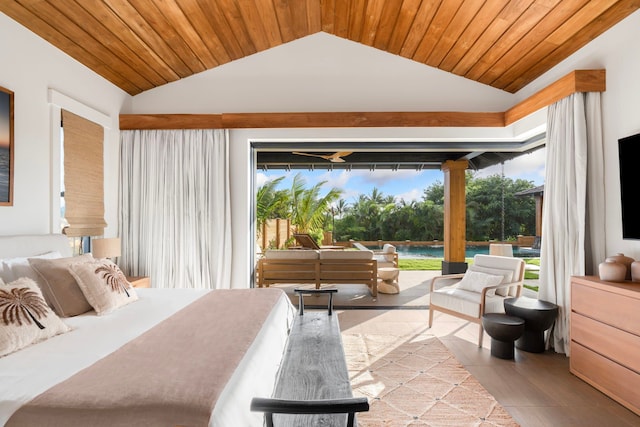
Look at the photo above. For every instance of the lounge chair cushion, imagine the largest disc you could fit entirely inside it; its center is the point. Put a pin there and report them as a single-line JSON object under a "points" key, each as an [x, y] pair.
{"points": [[466, 302], [507, 276], [338, 254], [291, 254]]}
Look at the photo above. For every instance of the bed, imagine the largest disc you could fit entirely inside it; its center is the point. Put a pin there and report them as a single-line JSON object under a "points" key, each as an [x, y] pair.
{"points": [[56, 368]]}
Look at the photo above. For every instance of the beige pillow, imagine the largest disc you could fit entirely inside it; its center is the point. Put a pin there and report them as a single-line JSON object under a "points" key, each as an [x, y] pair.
{"points": [[25, 317], [59, 287], [104, 285], [507, 276]]}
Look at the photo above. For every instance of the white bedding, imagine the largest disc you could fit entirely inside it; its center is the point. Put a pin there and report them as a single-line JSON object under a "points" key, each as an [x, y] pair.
{"points": [[31, 371]]}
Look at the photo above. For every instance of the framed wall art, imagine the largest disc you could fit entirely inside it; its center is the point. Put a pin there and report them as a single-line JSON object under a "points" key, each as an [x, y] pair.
{"points": [[6, 147]]}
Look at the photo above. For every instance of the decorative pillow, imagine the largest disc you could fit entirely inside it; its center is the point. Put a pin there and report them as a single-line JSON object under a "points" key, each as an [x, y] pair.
{"points": [[507, 276], [14, 268], [104, 285], [25, 317], [59, 287], [475, 281]]}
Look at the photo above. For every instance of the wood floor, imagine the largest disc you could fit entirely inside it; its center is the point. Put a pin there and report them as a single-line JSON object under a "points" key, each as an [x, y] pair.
{"points": [[536, 389]]}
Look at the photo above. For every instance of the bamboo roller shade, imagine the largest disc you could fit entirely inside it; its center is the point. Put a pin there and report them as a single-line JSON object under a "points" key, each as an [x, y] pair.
{"points": [[83, 176]]}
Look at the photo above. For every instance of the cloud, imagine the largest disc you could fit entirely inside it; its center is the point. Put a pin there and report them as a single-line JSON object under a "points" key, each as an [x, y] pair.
{"points": [[527, 166], [410, 196], [383, 176]]}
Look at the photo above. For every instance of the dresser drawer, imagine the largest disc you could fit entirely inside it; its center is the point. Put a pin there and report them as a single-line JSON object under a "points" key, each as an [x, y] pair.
{"points": [[616, 381], [608, 307], [615, 344]]}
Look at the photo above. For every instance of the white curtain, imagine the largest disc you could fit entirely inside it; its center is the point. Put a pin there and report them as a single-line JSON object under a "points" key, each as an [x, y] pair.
{"points": [[175, 207], [573, 218]]}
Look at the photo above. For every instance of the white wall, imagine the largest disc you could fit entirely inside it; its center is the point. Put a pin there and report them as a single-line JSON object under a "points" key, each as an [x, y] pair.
{"points": [[30, 67]]}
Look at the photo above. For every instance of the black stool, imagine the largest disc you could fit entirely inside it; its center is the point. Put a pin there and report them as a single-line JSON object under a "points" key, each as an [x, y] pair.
{"points": [[538, 316], [503, 330]]}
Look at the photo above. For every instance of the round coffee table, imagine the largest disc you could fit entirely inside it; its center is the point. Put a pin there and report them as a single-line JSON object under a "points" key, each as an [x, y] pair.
{"points": [[538, 316]]}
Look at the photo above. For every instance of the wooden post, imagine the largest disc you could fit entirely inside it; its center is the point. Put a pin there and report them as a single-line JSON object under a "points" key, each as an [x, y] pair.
{"points": [[454, 216], [539, 199]]}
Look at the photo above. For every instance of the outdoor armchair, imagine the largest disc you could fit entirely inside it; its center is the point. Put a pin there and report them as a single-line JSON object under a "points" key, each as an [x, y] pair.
{"points": [[482, 289]]}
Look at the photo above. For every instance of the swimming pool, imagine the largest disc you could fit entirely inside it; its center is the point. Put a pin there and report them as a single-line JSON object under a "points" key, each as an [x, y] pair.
{"points": [[437, 251]]}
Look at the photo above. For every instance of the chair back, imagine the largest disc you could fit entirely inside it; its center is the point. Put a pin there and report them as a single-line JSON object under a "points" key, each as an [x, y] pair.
{"points": [[502, 262]]}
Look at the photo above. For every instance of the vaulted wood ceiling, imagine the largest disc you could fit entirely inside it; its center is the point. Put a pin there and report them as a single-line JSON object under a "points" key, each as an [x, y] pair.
{"points": [[142, 44]]}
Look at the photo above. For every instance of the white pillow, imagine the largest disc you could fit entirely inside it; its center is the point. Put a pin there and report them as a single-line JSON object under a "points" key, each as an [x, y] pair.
{"points": [[507, 276], [475, 281], [14, 268]]}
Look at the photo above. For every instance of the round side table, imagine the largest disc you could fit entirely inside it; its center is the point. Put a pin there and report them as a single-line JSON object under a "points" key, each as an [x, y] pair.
{"points": [[503, 330], [538, 316], [389, 280]]}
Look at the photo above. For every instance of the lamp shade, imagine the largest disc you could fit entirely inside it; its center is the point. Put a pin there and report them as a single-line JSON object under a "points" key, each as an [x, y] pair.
{"points": [[105, 248]]}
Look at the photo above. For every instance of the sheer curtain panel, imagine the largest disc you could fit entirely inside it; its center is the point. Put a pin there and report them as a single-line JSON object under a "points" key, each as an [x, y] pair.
{"points": [[573, 222], [174, 207]]}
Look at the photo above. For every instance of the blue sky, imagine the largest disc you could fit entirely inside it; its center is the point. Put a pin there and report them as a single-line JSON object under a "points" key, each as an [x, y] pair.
{"points": [[404, 184]]}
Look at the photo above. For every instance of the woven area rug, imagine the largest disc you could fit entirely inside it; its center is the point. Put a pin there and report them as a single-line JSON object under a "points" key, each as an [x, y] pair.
{"points": [[417, 382]]}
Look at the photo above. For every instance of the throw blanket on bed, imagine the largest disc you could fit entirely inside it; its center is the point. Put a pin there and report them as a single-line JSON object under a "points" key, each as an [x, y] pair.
{"points": [[170, 375]]}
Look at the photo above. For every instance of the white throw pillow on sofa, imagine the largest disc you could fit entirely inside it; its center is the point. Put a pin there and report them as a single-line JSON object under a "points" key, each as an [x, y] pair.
{"points": [[475, 281]]}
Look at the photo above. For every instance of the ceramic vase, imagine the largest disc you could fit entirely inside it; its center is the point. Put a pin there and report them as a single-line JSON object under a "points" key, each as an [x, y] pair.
{"points": [[612, 271], [635, 271], [624, 260]]}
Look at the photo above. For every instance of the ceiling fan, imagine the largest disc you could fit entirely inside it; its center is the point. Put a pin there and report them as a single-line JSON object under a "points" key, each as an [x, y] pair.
{"points": [[335, 157]]}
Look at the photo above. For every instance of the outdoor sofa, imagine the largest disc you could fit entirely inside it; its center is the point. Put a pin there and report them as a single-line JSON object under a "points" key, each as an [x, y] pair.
{"points": [[319, 267]]}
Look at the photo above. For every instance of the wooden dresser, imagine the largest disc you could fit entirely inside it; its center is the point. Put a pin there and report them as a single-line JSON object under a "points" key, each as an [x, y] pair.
{"points": [[605, 337]]}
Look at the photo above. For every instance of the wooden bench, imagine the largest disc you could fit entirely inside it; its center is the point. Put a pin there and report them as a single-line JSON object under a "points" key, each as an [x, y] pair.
{"points": [[313, 386]]}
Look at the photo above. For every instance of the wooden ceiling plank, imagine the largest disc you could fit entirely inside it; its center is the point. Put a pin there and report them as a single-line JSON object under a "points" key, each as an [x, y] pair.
{"points": [[463, 17], [441, 22], [102, 42], [205, 31], [420, 25], [563, 11], [147, 62], [371, 21], [388, 21], [299, 18], [356, 19], [186, 30], [43, 29], [285, 20], [171, 33], [341, 18], [238, 27], [476, 27], [576, 81], [602, 23], [493, 32], [219, 23], [406, 15], [256, 24], [328, 8], [490, 67], [155, 41], [314, 16]]}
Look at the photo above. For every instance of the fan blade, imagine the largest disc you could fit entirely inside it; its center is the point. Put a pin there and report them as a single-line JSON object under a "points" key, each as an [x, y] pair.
{"points": [[312, 155]]}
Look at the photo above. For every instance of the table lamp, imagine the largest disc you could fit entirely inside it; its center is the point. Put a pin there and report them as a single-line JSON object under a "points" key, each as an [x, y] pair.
{"points": [[106, 248]]}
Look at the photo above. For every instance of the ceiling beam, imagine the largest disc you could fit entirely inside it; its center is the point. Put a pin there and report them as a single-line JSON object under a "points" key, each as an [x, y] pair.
{"points": [[576, 81]]}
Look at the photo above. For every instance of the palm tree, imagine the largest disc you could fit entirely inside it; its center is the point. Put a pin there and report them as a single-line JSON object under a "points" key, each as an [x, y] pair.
{"points": [[22, 305], [114, 278], [308, 209], [269, 200]]}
